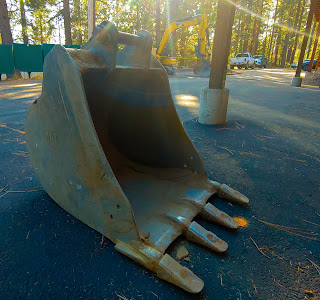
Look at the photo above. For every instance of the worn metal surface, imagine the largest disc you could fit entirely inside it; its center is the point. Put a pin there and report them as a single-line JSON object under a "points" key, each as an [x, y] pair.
{"points": [[107, 145]]}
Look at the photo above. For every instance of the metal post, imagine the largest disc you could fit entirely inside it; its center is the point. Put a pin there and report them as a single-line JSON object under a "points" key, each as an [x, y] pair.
{"points": [[91, 17], [221, 44]]}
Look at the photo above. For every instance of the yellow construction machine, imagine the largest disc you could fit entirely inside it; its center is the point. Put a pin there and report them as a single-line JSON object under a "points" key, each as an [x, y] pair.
{"points": [[168, 62]]}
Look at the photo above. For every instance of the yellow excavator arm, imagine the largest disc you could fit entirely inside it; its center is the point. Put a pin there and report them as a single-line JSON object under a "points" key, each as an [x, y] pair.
{"points": [[203, 25]]}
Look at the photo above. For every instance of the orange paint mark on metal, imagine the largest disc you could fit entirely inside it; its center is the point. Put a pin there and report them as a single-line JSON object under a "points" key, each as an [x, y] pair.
{"points": [[5, 126], [241, 222]]}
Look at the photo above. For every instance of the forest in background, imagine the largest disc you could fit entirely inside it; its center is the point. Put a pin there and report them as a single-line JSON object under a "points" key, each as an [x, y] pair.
{"points": [[272, 28]]}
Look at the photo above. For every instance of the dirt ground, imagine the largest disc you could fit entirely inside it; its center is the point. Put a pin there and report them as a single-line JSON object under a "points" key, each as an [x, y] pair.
{"points": [[314, 79], [269, 150]]}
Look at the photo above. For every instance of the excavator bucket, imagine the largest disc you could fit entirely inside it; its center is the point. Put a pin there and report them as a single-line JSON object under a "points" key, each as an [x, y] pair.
{"points": [[107, 145]]}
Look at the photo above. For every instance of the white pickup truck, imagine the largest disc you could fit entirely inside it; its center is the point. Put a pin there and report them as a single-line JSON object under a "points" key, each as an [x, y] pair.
{"points": [[242, 60]]}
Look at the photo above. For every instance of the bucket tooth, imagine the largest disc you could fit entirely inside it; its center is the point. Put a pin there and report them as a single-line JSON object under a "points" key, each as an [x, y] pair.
{"points": [[196, 233], [170, 270], [166, 267], [226, 192], [213, 214]]}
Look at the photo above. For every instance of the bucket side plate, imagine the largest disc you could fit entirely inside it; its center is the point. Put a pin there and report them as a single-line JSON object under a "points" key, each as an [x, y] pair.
{"points": [[67, 156]]}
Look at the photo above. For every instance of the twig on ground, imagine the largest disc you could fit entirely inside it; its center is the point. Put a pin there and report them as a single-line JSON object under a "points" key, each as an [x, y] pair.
{"points": [[121, 296], [102, 240], [317, 159], [249, 153], [265, 148], [259, 249], [4, 194], [240, 294], [265, 136], [239, 126], [227, 149], [5, 126], [255, 289], [292, 230], [306, 221], [277, 283], [223, 128], [102, 246], [25, 191], [295, 159], [315, 266], [154, 294], [20, 153], [220, 275], [12, 140], [285, 156], [249, 293]]}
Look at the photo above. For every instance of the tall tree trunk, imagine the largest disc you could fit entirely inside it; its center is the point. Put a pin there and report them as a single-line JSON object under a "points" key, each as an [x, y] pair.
{"points": [[310, 39], [77, 29], [305, 38], [265, 41], [284, 50], [297, 35], [6, 35], [253, 41], [314, 48], [276, 51], [273, 26], [256, 29], [165, 13], [241, 36], [221, 44], [41, 30], [292, 34], [246, 28], [237, 36], [117, 13], [158, 33], [67, 23], [138, 20], [23, 23], [286, 42], [183, 46]]}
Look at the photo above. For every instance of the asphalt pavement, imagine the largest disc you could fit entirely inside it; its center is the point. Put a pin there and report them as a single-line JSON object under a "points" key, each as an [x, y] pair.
{"points": [[269, 150]]}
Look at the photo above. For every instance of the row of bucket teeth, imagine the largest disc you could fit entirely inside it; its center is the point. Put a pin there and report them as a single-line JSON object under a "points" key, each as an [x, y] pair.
{"points": [[168, 268]]}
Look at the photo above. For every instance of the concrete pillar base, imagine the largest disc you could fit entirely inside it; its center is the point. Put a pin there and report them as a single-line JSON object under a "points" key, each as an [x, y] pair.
{"points": [[296, 81], [213, 106]]}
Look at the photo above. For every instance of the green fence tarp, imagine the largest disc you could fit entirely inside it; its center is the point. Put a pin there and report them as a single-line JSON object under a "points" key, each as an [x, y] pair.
{"points": [[28, 58], [24, 57], [72, 46], [46, 48], [6, 59]]}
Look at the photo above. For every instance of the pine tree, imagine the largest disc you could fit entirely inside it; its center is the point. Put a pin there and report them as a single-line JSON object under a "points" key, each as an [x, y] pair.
{"points": [[6, 35]]}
